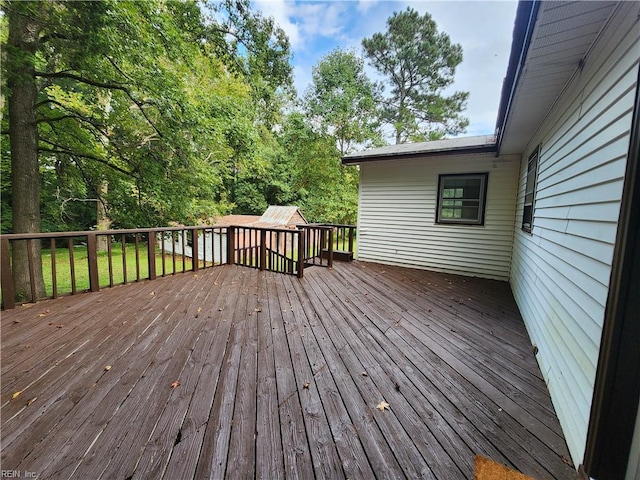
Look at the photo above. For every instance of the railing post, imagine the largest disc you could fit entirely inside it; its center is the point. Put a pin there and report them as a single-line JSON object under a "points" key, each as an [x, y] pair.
{"points": [[151, 254], [351, 230], [263, 249], [330, 249], [6, 278], [301, 255], [231, 245], [92, 257], [195, 254]]}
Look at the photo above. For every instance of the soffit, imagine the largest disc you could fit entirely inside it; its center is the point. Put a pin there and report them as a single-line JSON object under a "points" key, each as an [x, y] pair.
{"points": [[562, 36]]}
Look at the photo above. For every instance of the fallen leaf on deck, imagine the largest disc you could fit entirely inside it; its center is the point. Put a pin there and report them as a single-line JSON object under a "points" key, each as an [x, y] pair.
{"points": [[152, 293], [16, 394], [258, 309], [195, 275], [199, 309], [30, 402], [175, 384], [382, 406], [107, 368], [566, 460], [305, 385]]}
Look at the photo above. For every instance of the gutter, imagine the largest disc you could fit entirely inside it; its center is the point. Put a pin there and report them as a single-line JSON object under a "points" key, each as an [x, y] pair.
{"points": [[524, 24]]}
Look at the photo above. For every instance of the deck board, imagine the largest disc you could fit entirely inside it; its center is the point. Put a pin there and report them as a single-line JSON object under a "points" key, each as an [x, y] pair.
{"points": [[277, 377]]}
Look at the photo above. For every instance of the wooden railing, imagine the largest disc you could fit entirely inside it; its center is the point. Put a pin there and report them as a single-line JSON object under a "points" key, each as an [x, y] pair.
{"points": [[73, 264], [344, 241], [281, 249], [72, 261]]}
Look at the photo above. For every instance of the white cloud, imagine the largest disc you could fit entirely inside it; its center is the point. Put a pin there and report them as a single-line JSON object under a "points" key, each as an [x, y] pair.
{"points": [[483, 28], [280, 10], [306, 21], [365, 5]]}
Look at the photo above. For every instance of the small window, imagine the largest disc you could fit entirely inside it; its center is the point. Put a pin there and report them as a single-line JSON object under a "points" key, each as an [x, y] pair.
{"points": [[530, 191], [461, 199]]}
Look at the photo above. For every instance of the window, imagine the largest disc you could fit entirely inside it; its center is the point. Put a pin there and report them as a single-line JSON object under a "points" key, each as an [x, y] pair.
{"points": [[530, 191], [461, 198]]}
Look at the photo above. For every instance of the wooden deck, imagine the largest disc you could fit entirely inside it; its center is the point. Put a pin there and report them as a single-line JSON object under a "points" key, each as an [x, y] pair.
{"points": [[237, 373]]}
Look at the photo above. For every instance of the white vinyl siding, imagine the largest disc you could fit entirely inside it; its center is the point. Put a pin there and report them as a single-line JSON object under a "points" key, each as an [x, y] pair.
{"points": [[560, 273], [397, 216]]}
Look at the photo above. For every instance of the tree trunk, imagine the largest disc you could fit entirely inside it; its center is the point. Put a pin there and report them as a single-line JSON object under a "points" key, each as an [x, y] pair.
{"points": [[102, 221], [23, 141]]}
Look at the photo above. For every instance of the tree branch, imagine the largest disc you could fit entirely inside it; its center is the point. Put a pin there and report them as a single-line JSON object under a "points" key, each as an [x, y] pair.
{"points": [[88, 81], [59, 149], [105, 85]]}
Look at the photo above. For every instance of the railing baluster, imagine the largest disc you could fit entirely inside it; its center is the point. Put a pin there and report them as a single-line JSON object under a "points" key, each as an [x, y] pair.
{"points": [[72, 265], [195, 254], [123, 241], [162, 252], [263, 249], [92, 259], [173, 251], [151, 254], [137, 244], [110, 260], [32, 271], [301, 247], [54, 276], [184, 250]]}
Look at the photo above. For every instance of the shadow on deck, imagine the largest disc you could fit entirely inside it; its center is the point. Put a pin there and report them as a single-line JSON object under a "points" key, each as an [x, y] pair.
{"points": [[237, 373]]}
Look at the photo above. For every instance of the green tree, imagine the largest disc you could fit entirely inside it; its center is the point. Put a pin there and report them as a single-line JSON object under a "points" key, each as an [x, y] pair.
{"points": [[343, 101], [136, 105], [255, 47], [417, 63], [326, 190]]}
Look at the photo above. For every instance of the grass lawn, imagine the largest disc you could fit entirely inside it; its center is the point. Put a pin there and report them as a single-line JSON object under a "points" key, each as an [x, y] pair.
{"points": [[81, 266]]}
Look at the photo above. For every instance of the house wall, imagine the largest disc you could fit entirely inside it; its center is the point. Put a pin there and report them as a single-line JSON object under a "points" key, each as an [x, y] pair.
{"points": [[397, 212], [560, 273]]}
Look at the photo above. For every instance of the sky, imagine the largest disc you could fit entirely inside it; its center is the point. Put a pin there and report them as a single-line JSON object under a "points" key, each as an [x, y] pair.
{"points": [[483, 28]]}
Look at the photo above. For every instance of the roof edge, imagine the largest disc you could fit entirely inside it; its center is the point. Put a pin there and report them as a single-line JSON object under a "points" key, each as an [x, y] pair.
{"points": [[488, 148], [526, 16]]}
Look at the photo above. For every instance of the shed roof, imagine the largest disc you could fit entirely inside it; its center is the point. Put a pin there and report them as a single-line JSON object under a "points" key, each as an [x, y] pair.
{"points": [[237, 220], [281, 215], [274, 216]]}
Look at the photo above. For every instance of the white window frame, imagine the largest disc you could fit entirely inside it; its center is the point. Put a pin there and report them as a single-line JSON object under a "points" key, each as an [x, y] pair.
{"points": [[531, 182]]}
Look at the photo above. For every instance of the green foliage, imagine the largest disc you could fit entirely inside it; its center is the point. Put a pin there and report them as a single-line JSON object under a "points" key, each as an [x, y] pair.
{"points": [[418, 63], [145, 106], [324, 189], [343, 101], [164, 114]]}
